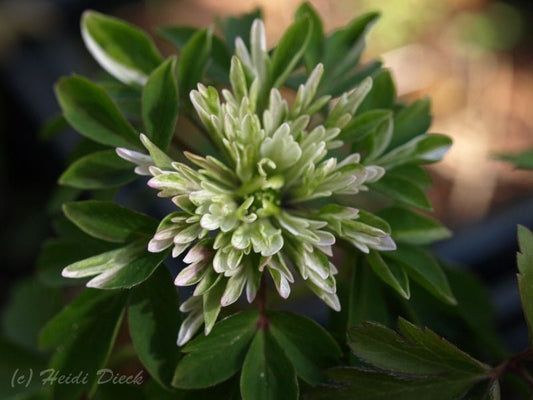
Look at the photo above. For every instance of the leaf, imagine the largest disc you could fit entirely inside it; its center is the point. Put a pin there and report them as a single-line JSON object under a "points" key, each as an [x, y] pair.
{"points": [[422, 149], [193, 61], [124, 267], [153, 320], [108, 221], [403, 190], [390, 273], [100, 170], [521, 160], [382, 95], [363, 125], [125, 51], [213, 359], [376, 143], [91, 112], [411, 227], [52, 127], [212, 305], [160, 104], [410, 122], [127, 98], [30, 306], [414, 173], [235, 27], [525, 275], [421, 266], [84, 333], [267, 374], [289, 51], [313, 52], [308, 346]]}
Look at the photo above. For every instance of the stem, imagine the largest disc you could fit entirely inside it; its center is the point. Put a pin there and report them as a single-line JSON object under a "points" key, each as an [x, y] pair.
{"points": [[262, 322], [513, 365]]}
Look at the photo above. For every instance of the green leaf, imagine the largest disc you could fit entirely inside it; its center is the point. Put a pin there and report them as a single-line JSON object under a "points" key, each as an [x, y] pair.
{"points": [[100, 170], [525, 275], [52, 127], [422, 149], [313, 52], [423, 268], [376, 143], [363, 125], [416, 351], [193, 61], [308, 346], [382, 95], [108, 221], [153, 320], [211, 303], [289, 51], [125, 51], [235, 27], [84, 334], [411, 227], [521, 160], [91, 112], [213, 359], [410, 122], [127, 98], [30, 306], [160, 104], [403, 190], [390, 273], [414, 173], [267, 374], [124, 267]]}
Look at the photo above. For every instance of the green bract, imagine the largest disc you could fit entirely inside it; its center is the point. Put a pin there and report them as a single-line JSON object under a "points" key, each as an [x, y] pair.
{"points": [[248, 213]]}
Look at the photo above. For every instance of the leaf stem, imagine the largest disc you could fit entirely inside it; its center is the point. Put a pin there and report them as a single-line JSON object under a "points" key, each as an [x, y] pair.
{"points": [[513, 365], [262, 322]]}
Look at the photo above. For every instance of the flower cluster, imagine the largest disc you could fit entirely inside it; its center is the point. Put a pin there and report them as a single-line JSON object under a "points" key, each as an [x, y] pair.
{"points": [[248, 213]]}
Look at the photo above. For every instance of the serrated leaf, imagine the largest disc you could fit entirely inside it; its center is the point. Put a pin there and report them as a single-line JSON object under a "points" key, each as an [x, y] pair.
{"points": [[289, 51], [520, 160], [108, 221], [313, 52], [525, 275], [422, 149], [193, 60], [382, 95], [410, 122], [124, 267], [363, 125], [390, 273], [213, 359], [402, 190], [267, 374], [411, 227], [308, 346], [91, 112], [123, 50], [153, 320], [423, 268], [160, 104], [84, 333], [100, 170]]}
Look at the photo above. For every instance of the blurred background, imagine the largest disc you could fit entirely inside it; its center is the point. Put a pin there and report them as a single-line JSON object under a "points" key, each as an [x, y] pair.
{"points": [[473, 58]]}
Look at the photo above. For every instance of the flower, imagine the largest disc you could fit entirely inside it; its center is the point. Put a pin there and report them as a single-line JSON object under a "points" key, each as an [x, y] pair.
{"points": [[249, 213]]}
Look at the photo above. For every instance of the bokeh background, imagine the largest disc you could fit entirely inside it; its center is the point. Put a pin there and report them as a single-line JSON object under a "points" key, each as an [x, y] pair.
{"points": [[473, 58]]}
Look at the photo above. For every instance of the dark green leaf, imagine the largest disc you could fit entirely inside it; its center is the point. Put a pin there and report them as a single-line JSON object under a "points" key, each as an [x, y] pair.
{"points": [[423, 268], [125, 51], [313, 52], [290, 50], [213, 359], [412, 227], [410, 122], [382, 95], [422, 149], [127, 98], [113, 391], [53, 127], [520, 160], [193, 60], [414, 173], [350, 81], [211, 300], [267, 374], [153, 320], [403, 190], [124, 267], [525, 275], [376, 143], [30, 306], [84, 333], [235, 27], [363, 125], [91, 112], [108, 221], [100, 170], [308, 346], [390, 273], [160, 104]]}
